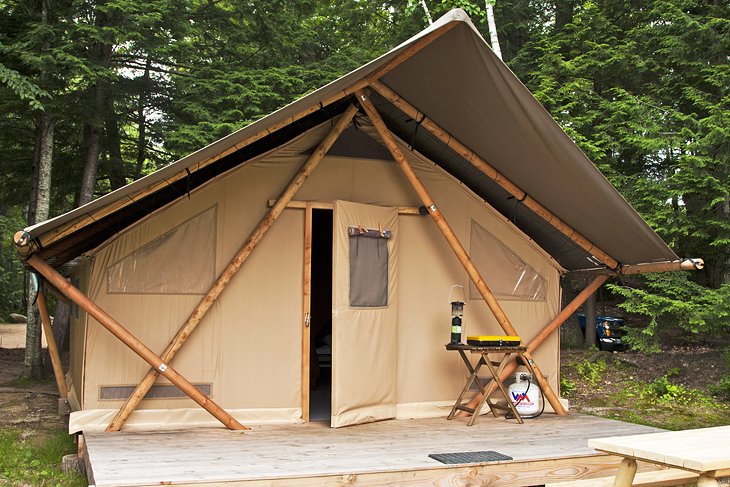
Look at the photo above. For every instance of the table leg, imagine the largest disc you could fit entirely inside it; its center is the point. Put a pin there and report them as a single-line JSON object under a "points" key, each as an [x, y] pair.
{"points": [[705, 481], [472, 378], [625, 474], [502, 389]]}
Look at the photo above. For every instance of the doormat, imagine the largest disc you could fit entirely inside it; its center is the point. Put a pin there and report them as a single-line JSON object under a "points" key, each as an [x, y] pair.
{"points": [[469, 457]]}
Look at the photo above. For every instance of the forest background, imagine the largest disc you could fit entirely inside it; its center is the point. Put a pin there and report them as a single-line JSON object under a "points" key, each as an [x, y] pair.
{"points": [[97, 93]]}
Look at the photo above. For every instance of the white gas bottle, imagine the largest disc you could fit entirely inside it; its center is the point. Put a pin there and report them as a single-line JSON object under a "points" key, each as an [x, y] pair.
{"points": [[525, 395]]}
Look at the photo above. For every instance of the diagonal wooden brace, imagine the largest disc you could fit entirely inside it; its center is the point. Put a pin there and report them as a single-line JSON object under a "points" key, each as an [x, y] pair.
{"points": [[449, 235], [133, 342], [244, 252], [52, 346]]}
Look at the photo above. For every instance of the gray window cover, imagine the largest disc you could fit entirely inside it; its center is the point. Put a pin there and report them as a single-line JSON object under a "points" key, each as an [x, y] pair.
{"points": [[368, 267]]}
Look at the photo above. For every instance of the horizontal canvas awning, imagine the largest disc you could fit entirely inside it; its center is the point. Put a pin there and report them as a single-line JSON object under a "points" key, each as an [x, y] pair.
{"points": [[458, 82]]}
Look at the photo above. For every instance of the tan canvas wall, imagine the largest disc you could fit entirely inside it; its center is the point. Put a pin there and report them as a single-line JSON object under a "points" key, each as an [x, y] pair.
{"points": [[248, 347]]}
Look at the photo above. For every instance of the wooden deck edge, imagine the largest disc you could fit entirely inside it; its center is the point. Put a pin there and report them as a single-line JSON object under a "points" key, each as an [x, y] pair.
{"points": [[84, 451], [668, 476], [514, 473]]}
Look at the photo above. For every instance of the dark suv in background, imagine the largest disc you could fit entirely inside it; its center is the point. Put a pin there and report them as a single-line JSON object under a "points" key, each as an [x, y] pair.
{"points": [[609, 332]]}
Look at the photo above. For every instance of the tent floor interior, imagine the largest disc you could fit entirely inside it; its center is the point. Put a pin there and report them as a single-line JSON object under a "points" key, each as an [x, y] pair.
{"points": [[548, 449]]}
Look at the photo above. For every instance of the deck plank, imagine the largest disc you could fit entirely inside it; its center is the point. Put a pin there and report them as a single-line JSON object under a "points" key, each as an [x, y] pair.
{"points": [[313, 449]]}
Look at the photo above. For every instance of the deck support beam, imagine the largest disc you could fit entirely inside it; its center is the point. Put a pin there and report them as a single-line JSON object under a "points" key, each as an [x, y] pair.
{"points": [[131, 341], [233, 266], [452, 239], [52, 346], [434, 129]]}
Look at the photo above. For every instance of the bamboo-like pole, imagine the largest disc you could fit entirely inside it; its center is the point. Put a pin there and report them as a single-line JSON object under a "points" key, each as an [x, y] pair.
{"points": [[493, 174], [52, 346], [75, 225], [234, 265], [133, 342], [449, 235], [693, 264], [549, 329]]}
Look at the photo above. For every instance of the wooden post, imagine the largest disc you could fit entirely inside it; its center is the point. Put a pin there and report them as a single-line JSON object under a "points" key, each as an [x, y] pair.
{"points": [[625, 474], [52, 346], [222, 282], [549, 329], [132, 342], [307, 311], [493, 174], [449, 235]]}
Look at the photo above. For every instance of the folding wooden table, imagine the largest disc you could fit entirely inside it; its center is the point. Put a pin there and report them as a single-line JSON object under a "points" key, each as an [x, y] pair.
{"points": [[495, 368]]}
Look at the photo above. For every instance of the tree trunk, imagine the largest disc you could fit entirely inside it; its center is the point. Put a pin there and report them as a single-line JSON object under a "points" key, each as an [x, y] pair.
{"points": [[92, 136], [489, 4], [116, 169], [564, 11], [425, 9], [590, 309], [33, 363], [142, 120], [570, 334]]}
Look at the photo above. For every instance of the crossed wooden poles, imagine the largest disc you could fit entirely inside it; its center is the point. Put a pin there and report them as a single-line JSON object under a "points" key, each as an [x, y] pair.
{"points": [[161, 363]]}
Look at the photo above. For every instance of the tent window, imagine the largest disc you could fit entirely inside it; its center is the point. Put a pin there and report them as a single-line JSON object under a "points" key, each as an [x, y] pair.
{"points": [[181, 261], [505, 273], [368, 267]]}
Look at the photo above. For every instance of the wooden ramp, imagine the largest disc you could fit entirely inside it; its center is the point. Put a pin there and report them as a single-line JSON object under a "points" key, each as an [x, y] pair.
{"points": [[545, 450]]}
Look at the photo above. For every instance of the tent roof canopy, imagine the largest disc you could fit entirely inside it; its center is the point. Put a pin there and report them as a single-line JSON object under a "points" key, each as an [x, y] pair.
{"points": [[450, 74]]}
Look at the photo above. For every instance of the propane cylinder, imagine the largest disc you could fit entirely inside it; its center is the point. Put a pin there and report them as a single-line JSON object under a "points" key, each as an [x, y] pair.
{"points": [[525, 395]]}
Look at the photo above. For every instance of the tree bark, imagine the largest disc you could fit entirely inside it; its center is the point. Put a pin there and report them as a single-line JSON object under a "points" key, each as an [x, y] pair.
{"points": [[564, 11], [494, 39], [116, 169], [142, 120], [570, 334], [590, 310], [41, 196]]}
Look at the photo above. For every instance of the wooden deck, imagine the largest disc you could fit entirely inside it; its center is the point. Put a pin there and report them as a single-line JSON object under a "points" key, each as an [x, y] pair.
{"points": [[547, 449]]}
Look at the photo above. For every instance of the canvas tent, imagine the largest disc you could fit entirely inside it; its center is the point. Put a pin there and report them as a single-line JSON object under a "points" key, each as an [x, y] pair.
{"points": [[431, 166]]}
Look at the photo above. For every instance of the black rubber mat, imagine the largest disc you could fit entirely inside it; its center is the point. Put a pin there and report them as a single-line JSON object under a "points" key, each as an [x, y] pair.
{"points": [[469, 457]]}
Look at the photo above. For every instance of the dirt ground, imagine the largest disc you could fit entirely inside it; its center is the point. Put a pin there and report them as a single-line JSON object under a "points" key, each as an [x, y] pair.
{"points": [[30, 407]]}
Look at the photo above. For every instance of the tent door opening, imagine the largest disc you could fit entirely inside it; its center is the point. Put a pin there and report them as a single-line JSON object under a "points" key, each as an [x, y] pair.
{"points": [[320, 332]]}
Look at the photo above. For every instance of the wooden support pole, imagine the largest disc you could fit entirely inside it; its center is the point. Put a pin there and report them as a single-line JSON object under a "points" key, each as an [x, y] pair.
{"points": [[307, 311], [132, 342], [493, 174], [52, 346], [693, 264], [233, 266], [449, 235], [549, 329], [88, 218]]}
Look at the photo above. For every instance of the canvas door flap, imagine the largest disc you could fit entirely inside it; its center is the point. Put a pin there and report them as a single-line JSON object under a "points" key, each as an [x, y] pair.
{"points": [[364, 313]]}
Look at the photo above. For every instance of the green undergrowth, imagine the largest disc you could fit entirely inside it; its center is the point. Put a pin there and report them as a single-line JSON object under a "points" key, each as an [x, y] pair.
{"points": [[611, 390], [35, 460]]}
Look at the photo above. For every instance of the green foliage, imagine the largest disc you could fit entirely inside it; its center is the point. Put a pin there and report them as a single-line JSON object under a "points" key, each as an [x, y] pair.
{"points": [[35, 461], [674, 300], [567, 386], [11, 270], [591, 372]]}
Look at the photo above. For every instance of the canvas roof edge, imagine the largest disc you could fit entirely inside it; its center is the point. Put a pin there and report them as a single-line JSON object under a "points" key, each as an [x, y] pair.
{"points": [[49, 231]]}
